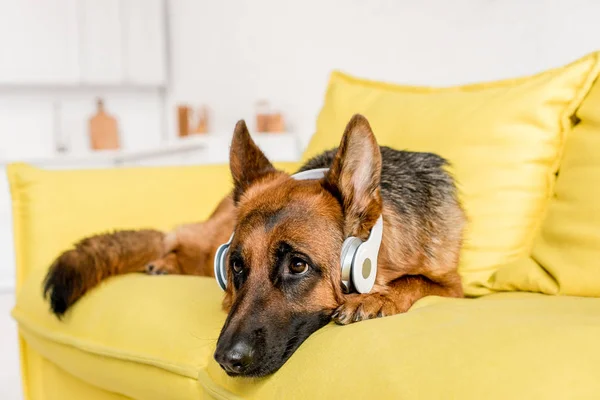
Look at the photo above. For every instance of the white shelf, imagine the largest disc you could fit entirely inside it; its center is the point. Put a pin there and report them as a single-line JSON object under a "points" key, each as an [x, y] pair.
{"points": [[115, 156], [277, 146]]}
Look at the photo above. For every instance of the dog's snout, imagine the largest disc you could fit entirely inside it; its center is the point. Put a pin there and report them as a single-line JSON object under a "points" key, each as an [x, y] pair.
{"points": [[235, 359]]}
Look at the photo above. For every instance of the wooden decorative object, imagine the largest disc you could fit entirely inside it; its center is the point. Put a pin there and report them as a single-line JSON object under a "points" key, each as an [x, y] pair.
{"points": [[276, 123], [202, 120], [267, 120], [262, 116], [104, 134], [183, 120], [192, 121]]}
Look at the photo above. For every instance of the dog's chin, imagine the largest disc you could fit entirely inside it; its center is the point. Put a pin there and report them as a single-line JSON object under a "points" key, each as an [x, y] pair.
{"points": [[254, 373]]}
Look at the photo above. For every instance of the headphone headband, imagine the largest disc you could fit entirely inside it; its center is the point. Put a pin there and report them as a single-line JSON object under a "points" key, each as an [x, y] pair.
{"points": [[317, 173]]}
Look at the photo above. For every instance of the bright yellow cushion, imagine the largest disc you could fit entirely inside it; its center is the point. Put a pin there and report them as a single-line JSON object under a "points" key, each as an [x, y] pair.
{"points": [[504, 140], [152, 337], [566, 253]]}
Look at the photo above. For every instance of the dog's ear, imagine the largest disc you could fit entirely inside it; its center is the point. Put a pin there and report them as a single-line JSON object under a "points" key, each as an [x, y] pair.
{"points": [[246, 161], [355, 175]]}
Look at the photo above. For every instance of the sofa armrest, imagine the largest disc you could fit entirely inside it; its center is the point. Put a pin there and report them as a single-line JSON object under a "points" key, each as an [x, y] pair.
{"points": [[54, 209]]}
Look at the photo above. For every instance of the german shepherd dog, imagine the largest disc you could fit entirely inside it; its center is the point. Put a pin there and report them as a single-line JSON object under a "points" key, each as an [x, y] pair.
{"points": [[284, 278]]}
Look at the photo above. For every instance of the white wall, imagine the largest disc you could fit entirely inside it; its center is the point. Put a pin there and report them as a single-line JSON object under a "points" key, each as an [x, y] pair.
{"points": [[229, 54]]}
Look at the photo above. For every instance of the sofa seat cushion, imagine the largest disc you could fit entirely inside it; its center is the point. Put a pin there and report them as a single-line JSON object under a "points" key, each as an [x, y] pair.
{"points": [[152, 337]]}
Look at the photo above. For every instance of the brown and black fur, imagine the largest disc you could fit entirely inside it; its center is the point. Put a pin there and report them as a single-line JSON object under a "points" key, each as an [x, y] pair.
{"points": [[283, 264], [187, 250], [422, 232]]}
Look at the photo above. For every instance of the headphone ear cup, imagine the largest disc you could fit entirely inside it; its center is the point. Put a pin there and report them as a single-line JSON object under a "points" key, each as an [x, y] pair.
{"points": [[220, 267], [349, 248], [364, 268]]}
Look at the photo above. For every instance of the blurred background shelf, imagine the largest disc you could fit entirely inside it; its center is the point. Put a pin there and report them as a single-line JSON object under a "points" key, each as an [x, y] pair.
{"points": [[208, 148]]}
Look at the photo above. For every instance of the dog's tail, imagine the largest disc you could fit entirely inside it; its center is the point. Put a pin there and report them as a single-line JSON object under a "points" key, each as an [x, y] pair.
{"points": [[96, 258]]}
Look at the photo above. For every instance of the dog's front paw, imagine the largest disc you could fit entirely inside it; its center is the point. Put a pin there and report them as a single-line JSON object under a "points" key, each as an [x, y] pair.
{"points": [[359, 307], [155, 268], [163, 266]]}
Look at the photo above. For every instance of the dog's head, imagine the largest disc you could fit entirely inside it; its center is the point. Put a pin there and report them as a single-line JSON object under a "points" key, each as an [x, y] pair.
{"points": [[283, 265]]}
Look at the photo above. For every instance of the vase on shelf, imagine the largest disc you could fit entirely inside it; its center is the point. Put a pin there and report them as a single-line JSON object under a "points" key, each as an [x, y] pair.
{"points": [[267, 119], [192, 121]]}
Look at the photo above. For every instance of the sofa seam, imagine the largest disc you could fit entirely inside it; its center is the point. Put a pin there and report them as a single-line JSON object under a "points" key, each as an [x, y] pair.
{"points": [[214, 389], [98, 350]]}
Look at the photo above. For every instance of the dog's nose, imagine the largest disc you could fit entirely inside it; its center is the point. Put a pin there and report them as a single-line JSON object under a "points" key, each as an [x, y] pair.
{"points": [[236, 359]]}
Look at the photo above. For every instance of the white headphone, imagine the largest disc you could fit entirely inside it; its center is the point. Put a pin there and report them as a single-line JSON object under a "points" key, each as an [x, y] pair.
{"points": [[358, 259]]}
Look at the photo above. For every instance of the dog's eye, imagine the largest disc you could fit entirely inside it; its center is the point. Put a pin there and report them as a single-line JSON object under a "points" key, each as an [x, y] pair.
{"points": [[237, 267], [298, 266]]}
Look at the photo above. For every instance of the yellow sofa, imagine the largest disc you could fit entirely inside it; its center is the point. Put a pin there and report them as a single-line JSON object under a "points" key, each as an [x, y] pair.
{"points": [[526, 153]]}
